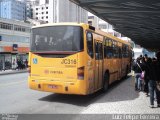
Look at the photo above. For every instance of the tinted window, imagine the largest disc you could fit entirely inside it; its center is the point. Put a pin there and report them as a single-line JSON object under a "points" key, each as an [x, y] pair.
{"points": [[125, 51], [105, 48], [57, 38], [90, 44], [120, 52], [109, 48], [115, 49], [99, 51]]}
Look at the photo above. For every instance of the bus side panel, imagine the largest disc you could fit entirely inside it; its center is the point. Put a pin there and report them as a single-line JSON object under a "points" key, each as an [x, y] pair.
{"points": [[108, 65], [119, 68], [82, 63], [124, 66]]}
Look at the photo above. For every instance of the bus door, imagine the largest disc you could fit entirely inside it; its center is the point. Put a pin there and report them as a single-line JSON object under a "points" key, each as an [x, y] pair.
{"points": [[98, 65]]}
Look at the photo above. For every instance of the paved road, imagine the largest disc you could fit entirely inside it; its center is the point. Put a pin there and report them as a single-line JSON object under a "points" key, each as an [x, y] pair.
{"points": [[16, 97]]}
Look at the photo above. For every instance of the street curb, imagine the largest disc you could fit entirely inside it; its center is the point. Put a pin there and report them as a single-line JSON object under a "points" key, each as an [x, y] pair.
{"points": [[15, 72]]}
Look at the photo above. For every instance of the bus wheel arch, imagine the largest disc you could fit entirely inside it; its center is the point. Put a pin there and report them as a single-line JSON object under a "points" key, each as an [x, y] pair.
{"points": [[105, 84]]}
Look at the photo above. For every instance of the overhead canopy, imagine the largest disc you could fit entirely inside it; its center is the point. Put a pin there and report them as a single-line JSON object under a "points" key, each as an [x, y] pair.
{"points": [[136, 19]]}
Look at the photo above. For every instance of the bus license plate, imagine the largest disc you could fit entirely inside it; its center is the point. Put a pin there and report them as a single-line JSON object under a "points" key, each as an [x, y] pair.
{"points": [[53, 86]]}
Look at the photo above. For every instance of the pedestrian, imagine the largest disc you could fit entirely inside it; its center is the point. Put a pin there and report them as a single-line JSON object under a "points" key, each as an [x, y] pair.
{"points": [[140, 56], [18, 64], [14, 64], [137, 70], [21, 64], [26, 63], [146, 56], [151, 73], [158, 79], [146, 77], [141, 65]]}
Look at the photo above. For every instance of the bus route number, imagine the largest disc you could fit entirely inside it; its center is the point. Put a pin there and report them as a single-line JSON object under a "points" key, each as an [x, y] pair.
{"points": [[69, 61]]}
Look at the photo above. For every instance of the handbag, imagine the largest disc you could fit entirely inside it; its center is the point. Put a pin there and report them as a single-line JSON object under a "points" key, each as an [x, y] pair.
{"points": [[142, 74]]}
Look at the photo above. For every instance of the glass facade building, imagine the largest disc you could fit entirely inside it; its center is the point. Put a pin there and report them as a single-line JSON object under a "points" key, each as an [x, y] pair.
{"points": [[13, 9], [14, 42]]}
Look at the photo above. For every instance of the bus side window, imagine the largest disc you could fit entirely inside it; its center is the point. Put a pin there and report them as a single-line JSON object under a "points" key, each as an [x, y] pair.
{"points": [[99, 51], [109, 49], [123, 51], [120, 52], [127, 51], [115, 49], [96, 50], [90, 44], [105, 48]]}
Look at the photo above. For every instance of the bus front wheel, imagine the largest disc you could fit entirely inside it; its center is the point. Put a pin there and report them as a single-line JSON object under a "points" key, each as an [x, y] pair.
{"points": [[105, 83]]}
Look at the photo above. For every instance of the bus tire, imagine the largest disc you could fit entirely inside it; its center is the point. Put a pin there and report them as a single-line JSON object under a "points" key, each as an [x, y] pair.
{"points": [[105, 82]]}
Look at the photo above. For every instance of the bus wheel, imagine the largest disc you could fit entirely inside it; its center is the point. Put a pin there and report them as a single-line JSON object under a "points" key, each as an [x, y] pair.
{"points": [[105, 83]]}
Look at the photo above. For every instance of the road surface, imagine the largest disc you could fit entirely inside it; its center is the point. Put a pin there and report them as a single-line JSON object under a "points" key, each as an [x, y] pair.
{"points": [[17, 98]]}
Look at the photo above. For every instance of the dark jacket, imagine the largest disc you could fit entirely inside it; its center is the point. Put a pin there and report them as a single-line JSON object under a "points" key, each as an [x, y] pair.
{"points": [[158, 70], [151, 71], [138, 69]]}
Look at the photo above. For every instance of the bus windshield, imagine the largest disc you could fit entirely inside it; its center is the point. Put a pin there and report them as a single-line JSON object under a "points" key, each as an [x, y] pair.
{"points": [[57, 38]]}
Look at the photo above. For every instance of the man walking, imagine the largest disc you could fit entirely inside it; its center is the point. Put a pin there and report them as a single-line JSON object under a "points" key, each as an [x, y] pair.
{"points": [[158, 78]]}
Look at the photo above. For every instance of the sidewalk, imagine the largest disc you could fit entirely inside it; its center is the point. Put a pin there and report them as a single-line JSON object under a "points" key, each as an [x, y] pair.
{"points": [[6, 72]]}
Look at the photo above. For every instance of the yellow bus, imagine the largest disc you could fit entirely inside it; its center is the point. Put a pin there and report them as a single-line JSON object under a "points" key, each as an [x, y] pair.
{"points": [[76, 58]]}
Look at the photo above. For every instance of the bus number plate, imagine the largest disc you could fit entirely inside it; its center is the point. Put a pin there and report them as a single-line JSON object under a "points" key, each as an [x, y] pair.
{"points": [[53, 86]]}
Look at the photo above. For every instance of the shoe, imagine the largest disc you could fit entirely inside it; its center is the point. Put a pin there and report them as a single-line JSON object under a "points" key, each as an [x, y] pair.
{"points": [[136, 89], [151, 106]]}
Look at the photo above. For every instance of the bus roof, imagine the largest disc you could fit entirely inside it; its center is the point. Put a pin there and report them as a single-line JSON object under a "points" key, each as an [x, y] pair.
{"points": [[59, 24], [83, 24]]}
